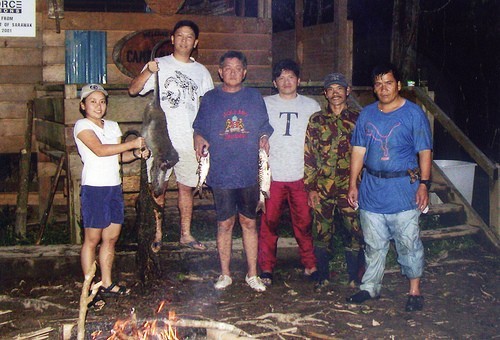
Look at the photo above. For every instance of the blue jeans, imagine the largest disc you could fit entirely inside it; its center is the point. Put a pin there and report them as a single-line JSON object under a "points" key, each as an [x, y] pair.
{"points": [[378, 230]]}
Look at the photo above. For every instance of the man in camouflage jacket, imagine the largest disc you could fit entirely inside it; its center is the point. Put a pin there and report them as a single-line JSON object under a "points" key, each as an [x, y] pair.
{"points": [[327, 157]]}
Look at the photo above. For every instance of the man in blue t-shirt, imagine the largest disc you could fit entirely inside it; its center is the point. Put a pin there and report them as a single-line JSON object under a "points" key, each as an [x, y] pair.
{"points": [[392, 136], [232, 123]]}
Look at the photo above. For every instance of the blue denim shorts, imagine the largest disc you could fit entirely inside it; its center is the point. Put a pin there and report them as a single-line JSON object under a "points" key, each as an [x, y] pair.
{"points": [[101, 206], [230, 201]]}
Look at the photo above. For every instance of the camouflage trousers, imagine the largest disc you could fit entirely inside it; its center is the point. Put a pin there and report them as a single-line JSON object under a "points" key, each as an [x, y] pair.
{"points": [[334, 215]]}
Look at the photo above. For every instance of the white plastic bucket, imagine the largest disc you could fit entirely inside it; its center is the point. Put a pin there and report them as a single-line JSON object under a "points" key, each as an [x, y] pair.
{"points": [[461, 174]]}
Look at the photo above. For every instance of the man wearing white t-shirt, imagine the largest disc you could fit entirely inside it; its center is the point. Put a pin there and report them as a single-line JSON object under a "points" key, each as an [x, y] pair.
{"points": [[183, 82], [289, 114]]}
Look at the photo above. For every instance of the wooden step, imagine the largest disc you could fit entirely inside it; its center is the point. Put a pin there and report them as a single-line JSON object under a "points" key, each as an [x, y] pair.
{"points": [[437, 187], [445, 208], [449, 232]]}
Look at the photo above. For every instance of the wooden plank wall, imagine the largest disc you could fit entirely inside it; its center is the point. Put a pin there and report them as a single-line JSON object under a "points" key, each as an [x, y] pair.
{"points": [[318, 51], [20, 71], [217, 35]]}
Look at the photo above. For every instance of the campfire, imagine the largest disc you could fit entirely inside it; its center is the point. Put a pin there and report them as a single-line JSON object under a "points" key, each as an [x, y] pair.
{"points": [[132, 329]]}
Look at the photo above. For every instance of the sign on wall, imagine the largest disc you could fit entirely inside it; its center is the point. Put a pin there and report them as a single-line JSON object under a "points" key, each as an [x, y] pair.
{"points": [[18, 18], [133, 51]]}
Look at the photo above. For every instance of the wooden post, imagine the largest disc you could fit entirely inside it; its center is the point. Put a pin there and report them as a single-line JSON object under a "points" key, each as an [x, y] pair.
{"points": [[299, 31], [264, 8], [342, 58], [74, 177], [24, 175]]}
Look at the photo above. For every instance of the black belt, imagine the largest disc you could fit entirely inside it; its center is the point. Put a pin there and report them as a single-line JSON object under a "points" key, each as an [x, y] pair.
{"points": [[386, 174]]}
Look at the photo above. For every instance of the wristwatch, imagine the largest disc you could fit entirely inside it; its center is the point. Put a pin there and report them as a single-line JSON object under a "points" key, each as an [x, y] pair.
{"points": [[426, 182]]}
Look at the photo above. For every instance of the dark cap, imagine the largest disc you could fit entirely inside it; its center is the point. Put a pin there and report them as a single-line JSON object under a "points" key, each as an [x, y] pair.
{"points": [[335, 78]]}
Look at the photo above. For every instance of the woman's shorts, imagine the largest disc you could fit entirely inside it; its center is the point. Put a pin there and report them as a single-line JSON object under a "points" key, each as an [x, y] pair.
{"points": [[230, 201], [101, 206]]}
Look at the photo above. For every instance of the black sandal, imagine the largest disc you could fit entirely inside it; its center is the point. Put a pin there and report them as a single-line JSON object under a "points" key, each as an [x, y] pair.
{"points": [[97, 302], [266, 278], [108, 292]]}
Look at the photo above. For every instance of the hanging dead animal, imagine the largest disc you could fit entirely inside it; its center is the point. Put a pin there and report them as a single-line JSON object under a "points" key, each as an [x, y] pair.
{"points": [[155, 133]]}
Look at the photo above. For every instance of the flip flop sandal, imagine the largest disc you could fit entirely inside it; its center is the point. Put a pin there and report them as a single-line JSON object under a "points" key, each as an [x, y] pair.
{"points": [[108, 292], [197, 245], [266, 278]]}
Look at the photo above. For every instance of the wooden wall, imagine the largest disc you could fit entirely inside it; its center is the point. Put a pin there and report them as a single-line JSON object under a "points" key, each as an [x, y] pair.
{"points": [[217, 35], [20, 70]]}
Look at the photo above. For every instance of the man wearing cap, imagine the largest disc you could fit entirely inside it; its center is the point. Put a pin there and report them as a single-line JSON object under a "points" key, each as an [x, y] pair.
{"points": [[327, 155]]}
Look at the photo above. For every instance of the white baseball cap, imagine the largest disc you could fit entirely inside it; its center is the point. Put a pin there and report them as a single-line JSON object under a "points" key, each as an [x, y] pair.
{"points": [[90, 88]]}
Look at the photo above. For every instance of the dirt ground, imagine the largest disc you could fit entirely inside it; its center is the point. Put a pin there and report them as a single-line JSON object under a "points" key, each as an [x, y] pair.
{"points": [[460, 287]]}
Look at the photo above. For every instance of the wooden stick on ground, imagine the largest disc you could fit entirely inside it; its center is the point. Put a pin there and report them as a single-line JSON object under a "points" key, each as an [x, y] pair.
{"points": [[38, 335], [280, 331], [86, 298], [316, 335], [209, 324]]}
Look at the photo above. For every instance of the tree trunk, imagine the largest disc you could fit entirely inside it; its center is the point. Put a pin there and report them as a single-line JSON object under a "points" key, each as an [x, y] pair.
{"points": [[404, 38]]}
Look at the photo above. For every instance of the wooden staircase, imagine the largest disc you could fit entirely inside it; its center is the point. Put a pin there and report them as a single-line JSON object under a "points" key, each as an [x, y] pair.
{"points": [[456, 216]]}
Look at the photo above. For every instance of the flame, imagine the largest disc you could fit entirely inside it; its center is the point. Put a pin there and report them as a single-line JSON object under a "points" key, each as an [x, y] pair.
{"points": [[129, 329]]}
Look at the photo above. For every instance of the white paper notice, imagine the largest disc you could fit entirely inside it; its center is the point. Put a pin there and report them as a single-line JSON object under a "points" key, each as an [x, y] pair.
{"points": [[17, 18]]}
